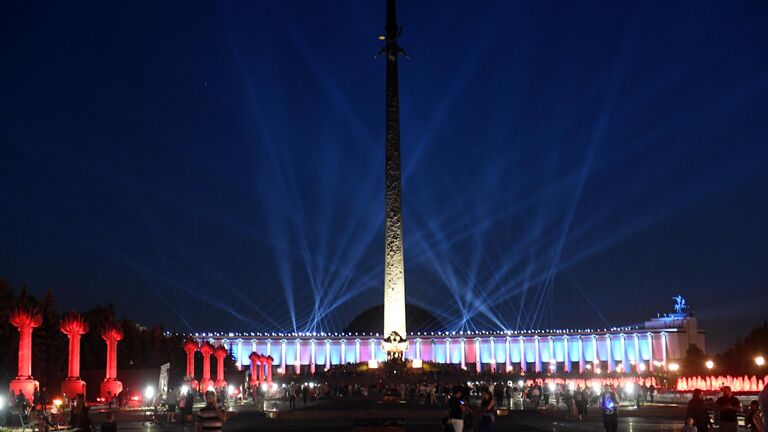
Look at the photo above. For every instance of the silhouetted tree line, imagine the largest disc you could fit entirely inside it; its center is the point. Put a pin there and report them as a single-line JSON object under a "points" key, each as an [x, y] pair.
{"points": [[736, 360], [141, 347]]}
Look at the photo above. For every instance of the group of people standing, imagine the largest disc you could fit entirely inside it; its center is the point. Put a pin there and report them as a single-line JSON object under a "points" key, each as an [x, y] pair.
{"points": [[726, 410]]}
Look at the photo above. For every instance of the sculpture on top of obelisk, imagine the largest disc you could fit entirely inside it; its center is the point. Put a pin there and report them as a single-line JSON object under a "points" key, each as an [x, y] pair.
{"points": [[394, 271]]}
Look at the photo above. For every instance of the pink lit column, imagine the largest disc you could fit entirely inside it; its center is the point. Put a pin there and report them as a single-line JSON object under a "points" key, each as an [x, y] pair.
{"points": [[190, 346], [73, 326], [25, 320], [220, 354], [206, 382], [110, 387]]}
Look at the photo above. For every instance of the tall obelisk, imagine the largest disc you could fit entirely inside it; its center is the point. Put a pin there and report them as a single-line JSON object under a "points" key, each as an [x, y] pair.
{"points": [[394, 271]]}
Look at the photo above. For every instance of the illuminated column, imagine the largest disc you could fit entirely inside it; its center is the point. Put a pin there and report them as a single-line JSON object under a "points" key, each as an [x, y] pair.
{"points": [[611, 363], [418, 349], [447, 351], [220, 352], [206, 349], [357, 350], [239, 354], [664, 349], [493, 355], [523, 363], [478, 359], [463, 354], [553, 364], [650, 352], [536, 348], [638, 358], [343, 351], [111, 334], [25, 320], [372, 348], [507, 365], [283, 362], [312, 352], [566, 355], [269, 347], [624, 362], [298, 357], [595, 359], [73, 326], [190, 346], [254, 359], [327, 354], [269, 361], [582, 364]]}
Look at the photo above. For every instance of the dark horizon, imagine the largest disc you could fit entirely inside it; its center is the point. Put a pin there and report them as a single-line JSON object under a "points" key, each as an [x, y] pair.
{"points": [[211, 167]]}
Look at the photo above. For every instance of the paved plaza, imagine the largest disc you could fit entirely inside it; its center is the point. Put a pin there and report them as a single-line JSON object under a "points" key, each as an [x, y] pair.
{"points": [[341, 415]]}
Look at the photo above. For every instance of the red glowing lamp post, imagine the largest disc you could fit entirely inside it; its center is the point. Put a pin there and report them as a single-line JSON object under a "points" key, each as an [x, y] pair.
{"points": [[25, 319], [73, 326], [190, 346], [269, 361], [254, 369], [110, 387], [220, 354], [206, 383]]}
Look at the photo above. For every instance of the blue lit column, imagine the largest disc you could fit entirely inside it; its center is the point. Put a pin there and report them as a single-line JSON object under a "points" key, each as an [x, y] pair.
{"points": [[418, 349], [522, 354], [581, 355], [447, 351], [298, 357], [566, 355], [478, 360], [357, 350], [536, 348], [269, 347], [283, 362], [611, 363], [595, 359], [239, 354], [638, 358], [327, 354], [507, 365], [553, 364], [624, 363], [343, 352], [664, 349], [463, 354]]}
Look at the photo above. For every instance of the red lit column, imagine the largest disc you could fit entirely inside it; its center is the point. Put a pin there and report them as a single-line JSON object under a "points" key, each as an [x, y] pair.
{"points": [[220, 353], [110, 387], [254, 360], [270, 360], [190, 346], [206, 382], [73, 326], [25, 319]]}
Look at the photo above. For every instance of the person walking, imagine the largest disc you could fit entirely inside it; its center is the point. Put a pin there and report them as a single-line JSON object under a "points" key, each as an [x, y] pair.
{"points": [[697, 410], [609, 402], [729, 407], [456, 410], [487, 412]]}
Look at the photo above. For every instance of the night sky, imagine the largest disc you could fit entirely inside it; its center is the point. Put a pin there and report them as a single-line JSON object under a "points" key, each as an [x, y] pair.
{"points": [[220, 165]]}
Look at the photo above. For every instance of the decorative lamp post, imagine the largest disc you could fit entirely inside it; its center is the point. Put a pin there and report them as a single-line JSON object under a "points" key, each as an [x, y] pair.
{"points": [[206, 383], [25, 319], [220, 354], [110, 387], [269, 361], [190, 346], [254, 369], [73, 326]]}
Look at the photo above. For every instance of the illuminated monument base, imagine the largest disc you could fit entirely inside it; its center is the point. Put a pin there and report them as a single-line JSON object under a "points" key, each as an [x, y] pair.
{"points": [[72, 388], [27, 385]]}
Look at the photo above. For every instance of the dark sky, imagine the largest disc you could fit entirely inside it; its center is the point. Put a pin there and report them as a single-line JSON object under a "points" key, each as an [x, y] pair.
{"points": [[219, 165]]}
